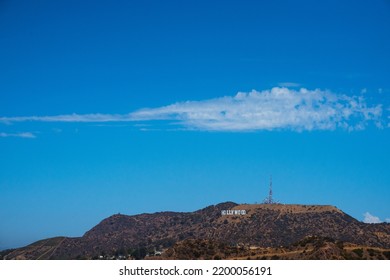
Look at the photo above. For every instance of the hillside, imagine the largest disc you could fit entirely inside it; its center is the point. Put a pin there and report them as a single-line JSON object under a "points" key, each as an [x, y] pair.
{"points": [[262, 226], [309, 248]]}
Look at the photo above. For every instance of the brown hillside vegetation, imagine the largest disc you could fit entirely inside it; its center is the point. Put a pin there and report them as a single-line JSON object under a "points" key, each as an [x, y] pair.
{"points": [[310, 248], [263, 226]]}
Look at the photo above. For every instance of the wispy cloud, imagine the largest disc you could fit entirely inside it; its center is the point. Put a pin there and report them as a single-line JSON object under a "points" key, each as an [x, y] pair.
{"points": [[70, 118], [387, 220], [289, 84], [371, 219], [20, 135], [279, 108]]}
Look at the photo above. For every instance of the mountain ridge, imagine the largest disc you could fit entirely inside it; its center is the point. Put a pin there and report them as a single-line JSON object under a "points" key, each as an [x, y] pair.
{"points": [[259, 225]]}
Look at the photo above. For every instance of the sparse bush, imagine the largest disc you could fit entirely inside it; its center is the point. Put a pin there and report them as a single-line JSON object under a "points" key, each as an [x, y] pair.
{"points": [[139, 253], [348, 256], [358, 252], [387, 254], [371, 252], [340, 244]]}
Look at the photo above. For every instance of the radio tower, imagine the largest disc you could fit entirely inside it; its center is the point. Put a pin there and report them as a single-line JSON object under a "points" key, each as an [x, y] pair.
{"points": [[269, 199]]}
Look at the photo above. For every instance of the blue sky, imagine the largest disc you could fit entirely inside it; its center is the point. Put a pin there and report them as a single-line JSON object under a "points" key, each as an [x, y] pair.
{"points": [[144, 106]]}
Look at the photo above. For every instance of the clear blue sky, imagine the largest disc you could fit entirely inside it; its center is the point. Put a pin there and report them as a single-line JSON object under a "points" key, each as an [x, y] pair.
{"points": [[144, 106]]}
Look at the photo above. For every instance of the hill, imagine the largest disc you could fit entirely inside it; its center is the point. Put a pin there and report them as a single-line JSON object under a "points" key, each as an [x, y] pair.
{"points": [[244, 225]]}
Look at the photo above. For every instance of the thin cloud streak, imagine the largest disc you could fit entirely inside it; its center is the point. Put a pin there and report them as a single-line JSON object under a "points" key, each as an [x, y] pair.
{"points": [[289, 84], [70, 118], [280, 108], [20, 135]]}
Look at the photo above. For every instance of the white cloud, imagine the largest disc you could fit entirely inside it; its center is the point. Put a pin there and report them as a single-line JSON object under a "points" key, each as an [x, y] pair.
{"points": [[370, 219], [21, 135], [387, 220], [289, 84], [278, 108], [363, 91], [69, 118]]}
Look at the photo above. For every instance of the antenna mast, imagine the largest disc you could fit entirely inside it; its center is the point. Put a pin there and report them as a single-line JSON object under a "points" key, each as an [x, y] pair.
{"points": [[269, 199], [270, 190]]}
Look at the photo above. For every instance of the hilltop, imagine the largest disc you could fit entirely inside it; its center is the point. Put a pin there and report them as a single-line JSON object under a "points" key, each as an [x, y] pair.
{"points": [[246, 226]]}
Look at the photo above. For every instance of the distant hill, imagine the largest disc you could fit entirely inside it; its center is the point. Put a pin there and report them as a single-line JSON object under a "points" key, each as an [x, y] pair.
{"points": [[253, 226]]}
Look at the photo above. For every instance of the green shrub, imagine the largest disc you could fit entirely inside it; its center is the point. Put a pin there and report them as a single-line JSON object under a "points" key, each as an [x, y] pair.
{"points": [[359, 252], [387, 254]]}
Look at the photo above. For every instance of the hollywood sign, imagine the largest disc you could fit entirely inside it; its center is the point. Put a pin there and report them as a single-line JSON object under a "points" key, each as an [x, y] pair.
{"points": [[233, 212]]}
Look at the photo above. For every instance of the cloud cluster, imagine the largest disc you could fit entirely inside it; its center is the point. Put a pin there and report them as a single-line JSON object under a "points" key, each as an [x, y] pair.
{"points": [[279, 108], [21, 135], [371, 219]]}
